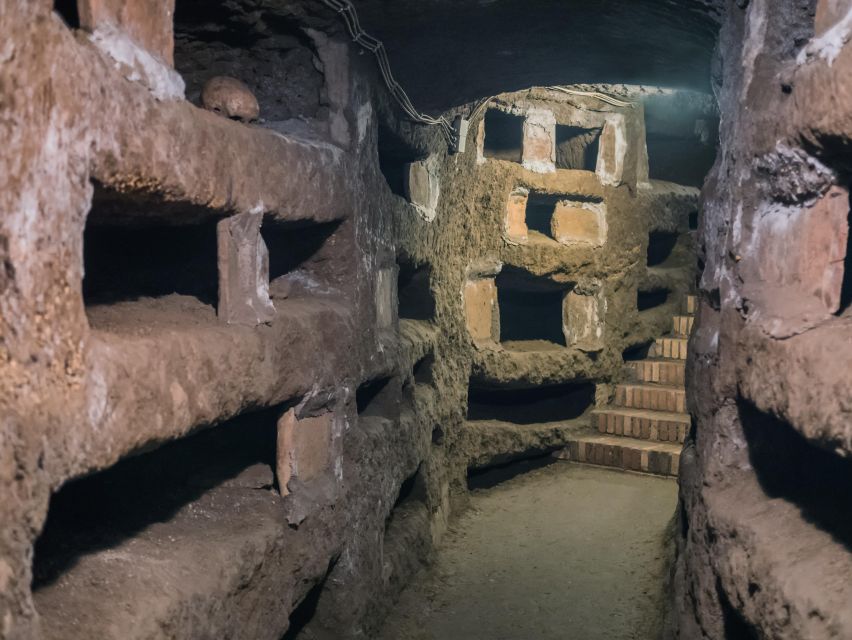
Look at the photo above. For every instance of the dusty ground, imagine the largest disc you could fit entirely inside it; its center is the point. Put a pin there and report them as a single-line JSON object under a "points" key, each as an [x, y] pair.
{"points": [[562, 552]]}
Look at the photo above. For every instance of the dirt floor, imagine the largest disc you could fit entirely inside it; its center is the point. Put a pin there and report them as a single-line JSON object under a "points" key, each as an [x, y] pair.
{"points": [[566, 552]]}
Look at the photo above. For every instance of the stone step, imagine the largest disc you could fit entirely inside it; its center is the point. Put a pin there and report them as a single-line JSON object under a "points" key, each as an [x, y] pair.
{"points": [[661, 371], [624, 453], [682, 325], [656, 397], [670, 348], [690, 304], [662, 426]]}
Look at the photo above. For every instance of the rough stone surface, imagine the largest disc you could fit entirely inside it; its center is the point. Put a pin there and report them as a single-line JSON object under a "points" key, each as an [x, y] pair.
{"points": [[148, 22], [767, 461], [123, 384]]}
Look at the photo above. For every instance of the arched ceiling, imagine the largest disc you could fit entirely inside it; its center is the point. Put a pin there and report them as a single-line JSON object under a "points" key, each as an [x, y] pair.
{"points": [[447, 52]]}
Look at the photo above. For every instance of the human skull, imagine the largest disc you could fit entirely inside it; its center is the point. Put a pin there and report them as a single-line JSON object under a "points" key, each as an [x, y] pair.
{"points": [[231, 98]]}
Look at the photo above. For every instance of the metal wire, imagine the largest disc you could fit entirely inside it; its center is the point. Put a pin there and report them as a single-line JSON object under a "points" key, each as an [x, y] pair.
{"points": [[593, 94], [350, 18]]}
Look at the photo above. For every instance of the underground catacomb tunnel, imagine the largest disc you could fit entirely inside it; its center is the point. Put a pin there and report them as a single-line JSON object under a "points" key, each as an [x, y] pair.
{"points": [[338, 319]]}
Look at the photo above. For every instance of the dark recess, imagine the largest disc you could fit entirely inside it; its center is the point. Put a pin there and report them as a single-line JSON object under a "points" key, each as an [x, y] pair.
{"points": [[123, 263], [652, 298], [539, 212], [67, 9], [530, 307], [489, 477], [553, 403], [305, 611], [577, 147], [395, 153], [293, 245], [411, 491], [414, 293], [693, 220], [423, 369], [504, 136], [102, 510], [637, 351], [735, 625], [661, 244], [788, 466], [378, 398]]}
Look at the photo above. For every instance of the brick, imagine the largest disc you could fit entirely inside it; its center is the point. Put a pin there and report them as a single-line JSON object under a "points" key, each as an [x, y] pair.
{"points": [[515, 222], [304, 446], [480, 304]]}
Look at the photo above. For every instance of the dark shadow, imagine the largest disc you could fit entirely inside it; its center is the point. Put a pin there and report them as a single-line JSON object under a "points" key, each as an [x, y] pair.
{"points": [[504, 136], [846, 286], [530, 307], [305, 611], [67, 9], [102, 510], [411, 491], [414, 293], [693, 220], [789, 467], [735, 625], [539, 212], [395, 154], [661, 244], [378, 398], [127, 263], [577, 147], [651, 299], [637, 351], [490, 477], [548, 403], [422, 371], [294, 245]]}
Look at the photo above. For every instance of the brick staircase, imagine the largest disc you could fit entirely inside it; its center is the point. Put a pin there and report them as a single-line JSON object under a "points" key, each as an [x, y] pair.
{"points": [[645, 427]]}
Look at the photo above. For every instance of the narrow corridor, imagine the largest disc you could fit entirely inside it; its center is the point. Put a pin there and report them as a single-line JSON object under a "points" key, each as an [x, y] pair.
{"points": [[563, 552]]}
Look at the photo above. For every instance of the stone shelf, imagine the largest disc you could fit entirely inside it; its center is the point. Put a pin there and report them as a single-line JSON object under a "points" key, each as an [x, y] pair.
{"points": [[769, 543], [191, 541], [811, 396], [497, 442], [518, 368], [162, 367], [183, 154]]}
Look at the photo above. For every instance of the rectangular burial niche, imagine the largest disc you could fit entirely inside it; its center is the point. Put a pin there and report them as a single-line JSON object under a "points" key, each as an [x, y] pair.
{"points": [[412, 492], [395, 154], [379, 398], [577, 147], [299, 250], [651, 298], [789, 467], [530, 311], [565, 218], [133, 249], [534, 405], [504, 136], [142, 501], [416, 301], [661, 245]]}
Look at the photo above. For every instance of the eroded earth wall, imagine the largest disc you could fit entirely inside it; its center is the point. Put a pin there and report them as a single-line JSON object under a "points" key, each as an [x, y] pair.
{"points": [[764, 528], [248, 361]]}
